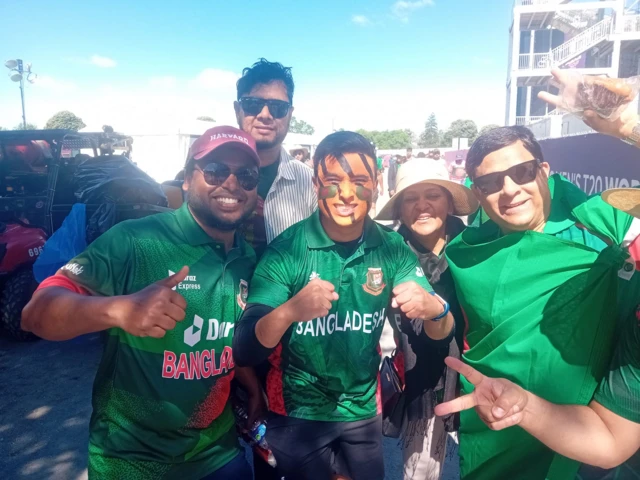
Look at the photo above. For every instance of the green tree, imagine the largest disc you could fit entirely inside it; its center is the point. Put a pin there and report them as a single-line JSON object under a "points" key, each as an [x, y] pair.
{"points": [[300, 126], [430, 137], [205, 118], [461, 129], [65, 120], [387, 139], [486, 128], [30, 126]]}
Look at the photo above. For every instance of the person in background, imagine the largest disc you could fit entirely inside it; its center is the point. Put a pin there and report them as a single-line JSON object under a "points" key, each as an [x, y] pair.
{"points": [[263, 110], [393, 171], [161, 406], [457, 171], [439, 158], [298, 154], [421, 155], [555, 262], [428, 204], [317, 307]]}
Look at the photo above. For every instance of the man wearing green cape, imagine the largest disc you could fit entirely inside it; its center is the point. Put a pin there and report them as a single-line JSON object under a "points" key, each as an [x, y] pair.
{"points": [[542, 283]]}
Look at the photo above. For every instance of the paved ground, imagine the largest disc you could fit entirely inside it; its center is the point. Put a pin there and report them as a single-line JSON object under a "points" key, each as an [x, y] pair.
{"points": [[45, 407]]}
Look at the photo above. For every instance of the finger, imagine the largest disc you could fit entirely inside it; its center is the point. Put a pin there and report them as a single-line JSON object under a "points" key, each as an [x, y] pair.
{"points": [[165, 323], [394, 303], [157, 332], [178, 300], [174, 312], [511, 400], [335, 296], [507, 422], [468, 372], [403, 287], [404, 297], [328, 285], [173, 280], [456, 405], [550, 98]]}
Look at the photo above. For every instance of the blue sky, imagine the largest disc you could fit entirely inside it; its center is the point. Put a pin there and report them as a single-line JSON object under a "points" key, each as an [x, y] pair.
{"points": [[370, 64]]}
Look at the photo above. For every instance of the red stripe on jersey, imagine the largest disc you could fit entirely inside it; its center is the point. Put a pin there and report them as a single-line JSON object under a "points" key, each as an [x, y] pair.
{"points": [[63, 282], [379, 387], [398, 362], [634, 251], [465, 344], [275, 389]]}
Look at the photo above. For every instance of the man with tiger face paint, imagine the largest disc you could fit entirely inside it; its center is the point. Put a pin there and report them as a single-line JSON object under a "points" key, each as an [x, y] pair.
{"points": [[316, 309], [345, 186]]}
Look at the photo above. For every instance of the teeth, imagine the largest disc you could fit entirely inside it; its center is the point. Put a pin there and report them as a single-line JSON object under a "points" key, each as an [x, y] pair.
{"points": [[228, 201]]}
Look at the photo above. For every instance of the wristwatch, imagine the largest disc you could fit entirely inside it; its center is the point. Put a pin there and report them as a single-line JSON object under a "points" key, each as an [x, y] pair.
{"points": [[634, 138], [444, 304]]}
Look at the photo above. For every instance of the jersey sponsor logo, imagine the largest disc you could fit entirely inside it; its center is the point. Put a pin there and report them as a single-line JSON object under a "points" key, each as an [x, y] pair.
{"points": [[73, 268], [314, 275], [217, 329], [189, 283], [375, 281], [244, 294], [419, 272], [196, 365], [333, 323]]}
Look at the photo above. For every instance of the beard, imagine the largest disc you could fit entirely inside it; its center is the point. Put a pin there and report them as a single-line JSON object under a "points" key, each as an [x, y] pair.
{"points": [[202, 211]]}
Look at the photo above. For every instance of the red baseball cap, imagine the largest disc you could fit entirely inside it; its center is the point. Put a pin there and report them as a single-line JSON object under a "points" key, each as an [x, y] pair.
{"points": [[224, 135]]}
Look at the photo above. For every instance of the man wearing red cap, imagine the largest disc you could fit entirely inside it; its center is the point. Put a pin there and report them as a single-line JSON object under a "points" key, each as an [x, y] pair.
{"points": [[165, 291]]}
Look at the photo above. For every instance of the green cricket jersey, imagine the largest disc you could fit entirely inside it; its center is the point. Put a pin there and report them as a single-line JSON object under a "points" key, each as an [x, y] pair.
{"points": [[620, 389], [327, 369], [160, 406]]}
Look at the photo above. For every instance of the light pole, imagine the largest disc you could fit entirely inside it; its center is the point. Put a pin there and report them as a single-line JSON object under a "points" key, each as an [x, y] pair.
{"points": [[19, 73]]}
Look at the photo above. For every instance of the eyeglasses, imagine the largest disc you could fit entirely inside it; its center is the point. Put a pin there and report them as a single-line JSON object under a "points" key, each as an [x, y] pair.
{"points": [[215, 174], [253, 106], [522, 173]]}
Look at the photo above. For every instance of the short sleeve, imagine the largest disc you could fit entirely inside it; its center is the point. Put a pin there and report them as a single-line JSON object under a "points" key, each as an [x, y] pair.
{"points": [[409, 269], [271, 284], [106, 266], [619, 391]]}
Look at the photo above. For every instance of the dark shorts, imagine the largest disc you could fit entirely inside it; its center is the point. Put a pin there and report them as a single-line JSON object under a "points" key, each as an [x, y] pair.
{"points": [[310, 450]]}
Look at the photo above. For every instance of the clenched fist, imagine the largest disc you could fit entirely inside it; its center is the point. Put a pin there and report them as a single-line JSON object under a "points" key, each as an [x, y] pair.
{"points": [[313, 301], [153, 311], [416, 302]]}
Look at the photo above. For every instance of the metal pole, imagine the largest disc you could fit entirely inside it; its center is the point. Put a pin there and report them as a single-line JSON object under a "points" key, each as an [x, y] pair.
{"points": [[24, 118]]}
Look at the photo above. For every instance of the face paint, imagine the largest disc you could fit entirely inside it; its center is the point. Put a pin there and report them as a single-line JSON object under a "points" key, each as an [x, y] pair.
{"points": [[346, 186]]}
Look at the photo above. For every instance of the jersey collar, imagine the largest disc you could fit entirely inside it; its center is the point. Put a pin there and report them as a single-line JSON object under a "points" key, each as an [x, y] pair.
{"points": [[318, 238]]}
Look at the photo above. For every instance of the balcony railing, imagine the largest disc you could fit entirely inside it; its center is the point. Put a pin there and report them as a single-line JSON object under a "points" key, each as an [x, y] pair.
{"points": [[538, 2], [528, 120], [631, 23], [535, 61]]}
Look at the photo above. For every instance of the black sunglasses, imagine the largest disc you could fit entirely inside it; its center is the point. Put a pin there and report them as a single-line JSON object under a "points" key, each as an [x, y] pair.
{"points": [[215, 174], [522, 173], [253, 106]]}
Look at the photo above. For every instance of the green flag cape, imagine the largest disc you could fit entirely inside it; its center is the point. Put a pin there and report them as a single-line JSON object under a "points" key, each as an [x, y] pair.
{"points": [[541, 311]]}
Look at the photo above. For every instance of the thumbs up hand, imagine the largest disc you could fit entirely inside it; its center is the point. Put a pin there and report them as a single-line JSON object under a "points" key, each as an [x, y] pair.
{"points": [[153, 311]]}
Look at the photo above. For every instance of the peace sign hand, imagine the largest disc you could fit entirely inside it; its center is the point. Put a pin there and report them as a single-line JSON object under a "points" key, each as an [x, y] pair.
{"points": [[499, 403]]}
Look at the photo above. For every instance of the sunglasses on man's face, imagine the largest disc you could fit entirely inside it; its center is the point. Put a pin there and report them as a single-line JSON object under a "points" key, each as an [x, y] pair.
{"points": [[521, 174], [215, 174], [253, 106]]}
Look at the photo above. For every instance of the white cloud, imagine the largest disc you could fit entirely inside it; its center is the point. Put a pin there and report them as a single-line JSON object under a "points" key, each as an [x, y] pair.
{"points": [[214, 79], [166, 82], [403, 8], [46, 82], [361, 20], [102, 62]]}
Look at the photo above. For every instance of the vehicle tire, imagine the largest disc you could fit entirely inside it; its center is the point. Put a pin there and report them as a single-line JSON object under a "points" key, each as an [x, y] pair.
{"points": [[15, 295]]}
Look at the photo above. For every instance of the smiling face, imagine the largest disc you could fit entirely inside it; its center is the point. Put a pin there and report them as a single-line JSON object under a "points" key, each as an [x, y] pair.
{"points": [[223, 207], [515, 208], [345, 187], [267, 131], [424, 209]]}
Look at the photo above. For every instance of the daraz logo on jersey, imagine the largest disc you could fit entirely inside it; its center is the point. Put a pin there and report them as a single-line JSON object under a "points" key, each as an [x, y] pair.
{"points": [[189, 283]]}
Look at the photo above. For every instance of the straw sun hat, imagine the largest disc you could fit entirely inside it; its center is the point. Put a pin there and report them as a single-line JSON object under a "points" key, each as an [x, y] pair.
{"points": [[625, 199], [421, 171]]}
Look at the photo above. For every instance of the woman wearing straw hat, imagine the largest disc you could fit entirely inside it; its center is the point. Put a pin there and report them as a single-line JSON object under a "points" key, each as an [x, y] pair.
{"points": [[426, 205]]}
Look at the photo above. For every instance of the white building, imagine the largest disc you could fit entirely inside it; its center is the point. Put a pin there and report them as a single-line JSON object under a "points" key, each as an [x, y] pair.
{"points": [[594, 37]]}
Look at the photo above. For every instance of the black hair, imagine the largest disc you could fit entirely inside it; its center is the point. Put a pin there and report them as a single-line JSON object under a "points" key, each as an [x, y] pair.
{"points": [[263, 72], [339, 143], [409, 149], [497, 139]]}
